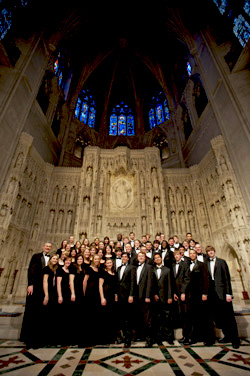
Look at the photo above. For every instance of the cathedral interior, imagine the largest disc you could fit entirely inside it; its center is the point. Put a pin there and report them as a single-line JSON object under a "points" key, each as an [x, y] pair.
{"points": [[118, 119]]}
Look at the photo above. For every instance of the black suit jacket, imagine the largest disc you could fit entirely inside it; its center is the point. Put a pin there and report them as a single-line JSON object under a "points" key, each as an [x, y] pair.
{"points": [[145, 287], [199, 281], [163, 286], [35, 272], [222, 279], [182, 278], [126, 286]]}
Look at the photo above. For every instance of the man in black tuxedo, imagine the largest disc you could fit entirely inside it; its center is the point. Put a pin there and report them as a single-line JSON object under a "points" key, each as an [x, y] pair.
{"points": [[196, 297], [34, 299], [181, 280], [126, 289], [220, 297], [118, 257], [200, 255], [162, 323], [131, 253], [143, 299]]}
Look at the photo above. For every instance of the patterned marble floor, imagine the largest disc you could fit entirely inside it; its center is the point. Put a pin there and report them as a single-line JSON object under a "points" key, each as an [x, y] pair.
{"points": [[195, 360]]}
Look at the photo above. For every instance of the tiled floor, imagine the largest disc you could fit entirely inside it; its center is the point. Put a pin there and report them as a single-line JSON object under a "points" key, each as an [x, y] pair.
{"points": [[196, 360]]}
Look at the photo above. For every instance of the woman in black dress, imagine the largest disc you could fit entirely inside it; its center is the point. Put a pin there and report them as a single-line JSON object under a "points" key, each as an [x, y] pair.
{"points": [[50, 298], [108, 294], [92, 301], [76, 276], [64, 306]]}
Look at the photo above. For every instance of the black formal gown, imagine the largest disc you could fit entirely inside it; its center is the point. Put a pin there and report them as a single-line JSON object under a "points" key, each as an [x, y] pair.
{"points": [[49, 311], [64, 311], [109, 312], [92, 308]]}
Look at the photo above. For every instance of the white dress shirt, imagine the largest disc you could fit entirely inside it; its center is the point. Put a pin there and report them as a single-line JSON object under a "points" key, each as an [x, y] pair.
{"points": [[138, 273], [46, 258]]}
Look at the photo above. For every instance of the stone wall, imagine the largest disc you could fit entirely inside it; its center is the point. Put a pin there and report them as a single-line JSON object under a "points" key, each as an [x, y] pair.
{"points": [[114, 191]]}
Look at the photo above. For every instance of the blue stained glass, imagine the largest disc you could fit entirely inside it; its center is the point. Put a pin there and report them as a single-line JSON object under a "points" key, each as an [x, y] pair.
{"points": [[152, 121], [247, 7], [241, 29], [91, 121], [113, 125], [56, 66], [130, 125], [159, 114], [5, 22], [122, 125], [166, 109], [84, 113], [222, 4], [78, 107], [189, 69]]}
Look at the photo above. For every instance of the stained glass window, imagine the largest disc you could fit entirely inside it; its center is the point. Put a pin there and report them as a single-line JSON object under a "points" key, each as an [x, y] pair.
{"points": [[5, 22], [63, 72], [241, 29], [9, 11], [159, 110], [122, 121], [241, 23], [189, 69], [85, 109], [247, 7]]}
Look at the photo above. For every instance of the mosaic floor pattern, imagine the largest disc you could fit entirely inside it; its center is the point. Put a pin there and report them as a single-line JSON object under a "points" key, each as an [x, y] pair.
{"points": [[195, 360]]}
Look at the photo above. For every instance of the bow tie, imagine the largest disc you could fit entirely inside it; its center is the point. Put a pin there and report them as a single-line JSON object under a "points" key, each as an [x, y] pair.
{"points": [[140, 264], [46, 255], [118, 258], [211, 259], [159, 267], [192, 262], [177, 262], [123, 264]]}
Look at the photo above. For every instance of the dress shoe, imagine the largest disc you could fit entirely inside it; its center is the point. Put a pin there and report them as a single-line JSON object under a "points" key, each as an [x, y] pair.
{"points": [[224, 340], [182, 340], [236, 345], [149, 344], [209, 343], [127, 345], [170, 341], [187, 341]]}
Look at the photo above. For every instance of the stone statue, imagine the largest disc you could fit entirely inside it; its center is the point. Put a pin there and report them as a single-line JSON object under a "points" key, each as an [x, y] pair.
{"points": [[171, 198], [188, 199], [179, 197], [143, 203], [144, 225], [223, 163], [174, 221], [86, 207], [11, 186], [191, 220], [155, 180], [64, 195], [182, 222], [122, 193], [157, 209], [55, 194], [51, 220], [99, 224], [19, 160], [35, 231], [72, 195], [202, 209], [230, 187], [89, 175], [59, 221], [69, 221]]}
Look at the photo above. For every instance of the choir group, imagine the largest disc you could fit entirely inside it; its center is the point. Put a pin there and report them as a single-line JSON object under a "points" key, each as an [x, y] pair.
{"points": [[107, 292]]}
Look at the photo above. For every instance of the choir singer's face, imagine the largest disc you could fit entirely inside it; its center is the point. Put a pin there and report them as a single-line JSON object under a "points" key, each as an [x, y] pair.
{"points": [[141, 258]]}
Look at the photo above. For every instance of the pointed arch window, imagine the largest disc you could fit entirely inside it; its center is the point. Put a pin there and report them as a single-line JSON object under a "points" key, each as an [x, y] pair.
{"points": [[63, 71], [240, 21], [85, 109], [122, 122], [159, 110]]}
